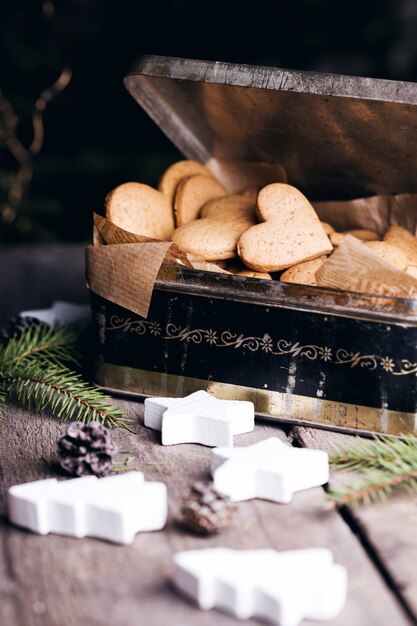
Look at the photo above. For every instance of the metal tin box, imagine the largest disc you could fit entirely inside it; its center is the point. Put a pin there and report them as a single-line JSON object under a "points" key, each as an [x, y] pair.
{"points": [[304, 354]]}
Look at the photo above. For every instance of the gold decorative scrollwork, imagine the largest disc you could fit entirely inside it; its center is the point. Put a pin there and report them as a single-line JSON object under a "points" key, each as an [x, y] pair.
{"points": [[233, 340], [407, 367], [183, 334], [264, 343], [127, 325], [344, 357]]}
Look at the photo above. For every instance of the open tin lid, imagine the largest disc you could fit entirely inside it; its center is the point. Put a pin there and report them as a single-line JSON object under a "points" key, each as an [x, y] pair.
{"points": [[337, 136]]}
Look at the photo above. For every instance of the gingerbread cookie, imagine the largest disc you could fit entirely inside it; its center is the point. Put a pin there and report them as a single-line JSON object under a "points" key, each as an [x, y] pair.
{"points": [[192, 193], [228, 208], [141, 210], [291, 232], [170, 179], [214, 236], [304, 273]]}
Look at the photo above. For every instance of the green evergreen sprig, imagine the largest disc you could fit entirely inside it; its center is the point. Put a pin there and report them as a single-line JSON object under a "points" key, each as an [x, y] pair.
{"points": [[387, 464], [33, 369], [47, 345]]}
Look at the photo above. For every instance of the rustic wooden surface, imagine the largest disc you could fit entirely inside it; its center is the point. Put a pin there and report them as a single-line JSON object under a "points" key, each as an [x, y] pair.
{"points": [[61, 581], [389, 528]]}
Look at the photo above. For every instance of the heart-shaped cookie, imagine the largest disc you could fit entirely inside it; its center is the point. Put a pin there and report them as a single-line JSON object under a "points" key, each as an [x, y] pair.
{"points": [[192, 193], [291, 231], [140, 209], [171, 178], [303, 273], [215, 235]]}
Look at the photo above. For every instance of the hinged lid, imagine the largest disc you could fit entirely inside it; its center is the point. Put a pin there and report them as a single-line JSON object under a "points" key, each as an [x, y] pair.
{"points": [[337, 136]]}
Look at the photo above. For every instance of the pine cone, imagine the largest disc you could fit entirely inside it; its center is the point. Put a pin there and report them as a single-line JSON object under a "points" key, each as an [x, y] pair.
{"points": [[206, 511], [15, 327], [86, 449]]}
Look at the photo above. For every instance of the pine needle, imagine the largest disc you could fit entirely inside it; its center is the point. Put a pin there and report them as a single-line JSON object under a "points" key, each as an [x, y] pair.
{"points": [[32, 368], [63, 392], [53, 345], [377, 487], [387, 464]]}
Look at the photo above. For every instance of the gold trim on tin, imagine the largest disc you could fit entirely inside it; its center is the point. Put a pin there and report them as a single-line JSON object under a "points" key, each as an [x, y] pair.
{"points": [[270, 404], [265, 343]]}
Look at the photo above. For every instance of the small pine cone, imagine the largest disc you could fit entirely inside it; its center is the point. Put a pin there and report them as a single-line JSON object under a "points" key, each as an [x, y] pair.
{"points": [[16, 326], [86, 449], [206, 511]]}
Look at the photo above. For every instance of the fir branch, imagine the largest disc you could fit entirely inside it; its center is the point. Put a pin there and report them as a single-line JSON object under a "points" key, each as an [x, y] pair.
{"points": [[387, 452], [380, 486], [33, 369], [389, 464], [63, 392], [53, 345]]}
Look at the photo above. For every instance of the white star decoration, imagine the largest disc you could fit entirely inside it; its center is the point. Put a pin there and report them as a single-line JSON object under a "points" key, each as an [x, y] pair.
{"points": [[269, 469], [281, 588], [199, 418], [113, 508]]}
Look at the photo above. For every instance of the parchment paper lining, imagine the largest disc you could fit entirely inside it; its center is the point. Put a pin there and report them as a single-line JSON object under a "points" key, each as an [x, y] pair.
{"points": [[374, 213], [123, 267], [354, 267]]}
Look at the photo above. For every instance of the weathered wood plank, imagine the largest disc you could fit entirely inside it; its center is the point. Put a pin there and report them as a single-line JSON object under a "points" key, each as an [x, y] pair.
{"points": [[390, 526], [60, 581]]}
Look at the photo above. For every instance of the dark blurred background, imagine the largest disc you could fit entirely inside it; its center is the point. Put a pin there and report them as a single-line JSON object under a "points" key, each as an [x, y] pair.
{"points": [[89, 133]]}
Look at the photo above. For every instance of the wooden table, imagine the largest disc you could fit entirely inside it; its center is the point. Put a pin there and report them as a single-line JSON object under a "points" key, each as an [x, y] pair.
{"points": [[61, 581]]}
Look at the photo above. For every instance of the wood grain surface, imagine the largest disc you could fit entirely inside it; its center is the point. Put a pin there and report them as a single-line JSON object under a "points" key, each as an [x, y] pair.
{"points": [[389, 528], [62, 581]]}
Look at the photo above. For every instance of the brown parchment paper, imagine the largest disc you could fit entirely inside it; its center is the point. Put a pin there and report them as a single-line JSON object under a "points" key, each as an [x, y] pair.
{"points": [[354, 267], [105, 232], [125, 273], [122, 266], [374, 213]]}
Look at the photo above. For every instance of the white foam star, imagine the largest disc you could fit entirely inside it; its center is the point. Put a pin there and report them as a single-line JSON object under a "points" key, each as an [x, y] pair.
{"points": [[269, 469], [199, 418]]}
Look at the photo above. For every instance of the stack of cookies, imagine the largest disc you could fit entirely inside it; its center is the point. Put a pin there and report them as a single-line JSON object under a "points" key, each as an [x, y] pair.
{"points": [[271, 232]]}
